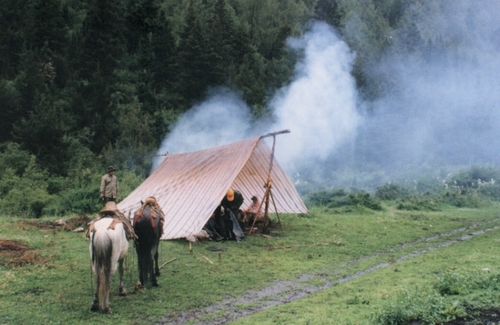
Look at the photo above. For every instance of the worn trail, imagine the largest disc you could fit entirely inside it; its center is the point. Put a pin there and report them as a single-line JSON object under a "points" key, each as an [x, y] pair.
{"points": [[286, 291]]}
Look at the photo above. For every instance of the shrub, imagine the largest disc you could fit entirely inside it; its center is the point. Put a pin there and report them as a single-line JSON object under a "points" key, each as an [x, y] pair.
{"points": [[447, 299], [390, 191], [24, 195], [490, 191], [339, 198], [461, 198], [427, 202], [473, 177]]}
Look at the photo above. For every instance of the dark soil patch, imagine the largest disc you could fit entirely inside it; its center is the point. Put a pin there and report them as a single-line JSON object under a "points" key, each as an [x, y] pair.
{"points": [[13, 253]]}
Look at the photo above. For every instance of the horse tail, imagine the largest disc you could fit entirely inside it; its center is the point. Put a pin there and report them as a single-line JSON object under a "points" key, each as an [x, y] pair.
{"points": [[102, 251], [147, 230]]}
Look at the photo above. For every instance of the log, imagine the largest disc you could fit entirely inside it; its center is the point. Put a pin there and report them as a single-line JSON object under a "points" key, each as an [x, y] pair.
{"points": [[169, 261]]}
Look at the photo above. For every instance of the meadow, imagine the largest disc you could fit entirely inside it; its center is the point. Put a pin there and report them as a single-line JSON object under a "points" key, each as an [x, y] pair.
{"points": [[354, 264]]}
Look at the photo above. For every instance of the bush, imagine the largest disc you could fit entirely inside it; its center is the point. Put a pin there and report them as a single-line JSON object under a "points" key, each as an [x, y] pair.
{"points": [[473, 177], [447, 299], [24, 190], [339, 198], [427, 202], [462, 198], [326, 198], [490, 191], [390, 191]]}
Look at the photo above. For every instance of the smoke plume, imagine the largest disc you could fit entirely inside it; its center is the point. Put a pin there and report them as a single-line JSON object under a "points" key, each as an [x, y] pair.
{"points": [[318, 107], [442, 103], [439, 104]]}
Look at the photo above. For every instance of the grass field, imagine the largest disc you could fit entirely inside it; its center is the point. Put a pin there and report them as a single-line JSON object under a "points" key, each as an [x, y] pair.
{"points": [[47, 280]]}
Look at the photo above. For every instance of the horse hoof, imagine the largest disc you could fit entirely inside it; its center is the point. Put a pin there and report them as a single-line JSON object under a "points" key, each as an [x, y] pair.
{"points": [[123, 293], [155, 284], [108, 310], [94, 308], [157, 273]]}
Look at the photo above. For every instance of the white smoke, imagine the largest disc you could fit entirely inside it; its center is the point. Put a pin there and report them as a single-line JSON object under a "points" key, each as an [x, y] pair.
{"points": [[444, 104], [318, 107], [221, 119]]}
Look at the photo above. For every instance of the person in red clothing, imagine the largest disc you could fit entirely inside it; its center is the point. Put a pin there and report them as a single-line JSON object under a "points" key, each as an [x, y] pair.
{"points": [[253, 212]]}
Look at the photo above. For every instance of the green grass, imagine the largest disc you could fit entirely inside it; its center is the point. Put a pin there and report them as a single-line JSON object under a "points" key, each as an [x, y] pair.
{"points": [[410, 282], [57, 287]]}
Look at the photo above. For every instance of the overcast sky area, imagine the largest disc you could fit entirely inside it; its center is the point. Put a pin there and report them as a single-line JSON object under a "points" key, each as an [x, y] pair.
{"points": [[443, 109]]}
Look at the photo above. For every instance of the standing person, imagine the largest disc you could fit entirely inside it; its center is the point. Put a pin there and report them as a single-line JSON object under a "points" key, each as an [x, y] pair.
{"points": [[109, 186]]}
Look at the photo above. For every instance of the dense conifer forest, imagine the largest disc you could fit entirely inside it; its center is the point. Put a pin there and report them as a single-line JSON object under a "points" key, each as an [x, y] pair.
{"points": [[85, 84]]}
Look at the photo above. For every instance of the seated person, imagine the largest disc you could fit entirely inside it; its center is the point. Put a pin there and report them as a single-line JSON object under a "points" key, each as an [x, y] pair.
{"points": [[253, 212]]}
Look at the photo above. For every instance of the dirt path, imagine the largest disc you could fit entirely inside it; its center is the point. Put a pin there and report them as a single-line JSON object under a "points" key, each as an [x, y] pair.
{"points": [[282, 292]]}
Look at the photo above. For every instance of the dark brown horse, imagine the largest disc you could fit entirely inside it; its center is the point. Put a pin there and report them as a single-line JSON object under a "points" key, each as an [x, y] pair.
{"points": [[148, 227]]}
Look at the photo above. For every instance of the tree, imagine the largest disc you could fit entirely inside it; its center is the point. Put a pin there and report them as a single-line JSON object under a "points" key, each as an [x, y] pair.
{"points": [[12, 35], [103, 47], [198, 66]]}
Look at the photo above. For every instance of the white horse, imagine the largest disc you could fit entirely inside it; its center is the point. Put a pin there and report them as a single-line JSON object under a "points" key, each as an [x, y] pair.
{"points": [[108, 248]]}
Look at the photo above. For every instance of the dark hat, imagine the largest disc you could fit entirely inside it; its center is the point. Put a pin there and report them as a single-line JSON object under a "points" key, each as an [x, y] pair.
{"points": [[111, 168], [254, 198]]}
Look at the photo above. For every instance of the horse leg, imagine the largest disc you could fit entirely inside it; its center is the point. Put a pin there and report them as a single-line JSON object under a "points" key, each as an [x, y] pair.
{"points": [[122, 290], [95, 302], [141, 263], [157, 268], [152, 268]]}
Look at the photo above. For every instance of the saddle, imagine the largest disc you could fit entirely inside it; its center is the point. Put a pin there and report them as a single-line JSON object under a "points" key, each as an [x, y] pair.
{"points": [[117, 218], [150, 208]]}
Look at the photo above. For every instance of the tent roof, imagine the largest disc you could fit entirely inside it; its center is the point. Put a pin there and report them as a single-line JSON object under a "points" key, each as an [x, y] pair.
{"points": [[189, 186]]}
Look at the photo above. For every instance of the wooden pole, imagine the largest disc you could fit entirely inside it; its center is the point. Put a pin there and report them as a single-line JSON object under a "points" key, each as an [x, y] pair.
{"points": [[208, 259], [265, 199]]}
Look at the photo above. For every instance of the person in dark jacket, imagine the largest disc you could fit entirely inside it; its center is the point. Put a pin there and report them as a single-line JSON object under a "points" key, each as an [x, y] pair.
{"points": [[223, 222]]}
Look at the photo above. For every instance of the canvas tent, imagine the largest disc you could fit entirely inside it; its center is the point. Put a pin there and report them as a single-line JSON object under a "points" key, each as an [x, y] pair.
{"points": [[189, 186]]}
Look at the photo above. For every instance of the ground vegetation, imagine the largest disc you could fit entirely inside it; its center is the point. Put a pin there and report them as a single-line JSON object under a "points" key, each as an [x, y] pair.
{"points": [[360, 265]]}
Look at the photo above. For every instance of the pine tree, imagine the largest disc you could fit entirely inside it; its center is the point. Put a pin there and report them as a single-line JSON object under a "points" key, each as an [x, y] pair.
{"points": [[198, 66], [103, 47]]}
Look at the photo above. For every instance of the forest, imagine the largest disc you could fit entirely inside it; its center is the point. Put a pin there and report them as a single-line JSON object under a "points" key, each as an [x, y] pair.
{"points": [[87, 84]]}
